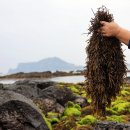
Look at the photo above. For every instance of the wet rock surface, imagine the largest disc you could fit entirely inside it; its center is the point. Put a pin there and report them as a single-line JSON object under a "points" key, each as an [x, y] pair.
{"points": [[61, 94], [19, 113], [49, 95], [111, 126], [28, 88]]}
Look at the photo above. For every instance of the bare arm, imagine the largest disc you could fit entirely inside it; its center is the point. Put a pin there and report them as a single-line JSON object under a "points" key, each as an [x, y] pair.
{"points": [[113, 29]]}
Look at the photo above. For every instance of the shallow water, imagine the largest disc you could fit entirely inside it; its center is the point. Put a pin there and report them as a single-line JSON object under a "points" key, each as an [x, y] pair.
{"points": [[67, 79]]}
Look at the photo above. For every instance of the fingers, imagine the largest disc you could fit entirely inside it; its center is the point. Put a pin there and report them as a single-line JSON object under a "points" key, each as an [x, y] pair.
{"points": [[103, 31]]}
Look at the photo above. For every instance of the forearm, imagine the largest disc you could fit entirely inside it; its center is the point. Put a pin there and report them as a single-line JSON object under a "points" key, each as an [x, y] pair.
{"points": [[123, 36]]}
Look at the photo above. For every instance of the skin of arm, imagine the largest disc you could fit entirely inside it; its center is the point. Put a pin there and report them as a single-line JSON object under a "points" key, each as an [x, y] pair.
{"points": [[113, 29]]}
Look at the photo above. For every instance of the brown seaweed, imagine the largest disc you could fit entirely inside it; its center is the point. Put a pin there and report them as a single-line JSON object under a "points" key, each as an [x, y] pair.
{"points": [[105, 64]]}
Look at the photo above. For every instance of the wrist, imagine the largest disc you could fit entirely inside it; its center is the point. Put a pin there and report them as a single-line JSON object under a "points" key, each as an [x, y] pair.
{"points": [[118, 32]]}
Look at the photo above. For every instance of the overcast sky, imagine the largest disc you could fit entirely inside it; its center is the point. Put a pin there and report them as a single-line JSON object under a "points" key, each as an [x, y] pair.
{"points": [[31, 30]]}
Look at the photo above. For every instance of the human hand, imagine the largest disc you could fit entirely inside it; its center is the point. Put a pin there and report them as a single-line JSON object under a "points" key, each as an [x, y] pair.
{"points": [[109, 29]]}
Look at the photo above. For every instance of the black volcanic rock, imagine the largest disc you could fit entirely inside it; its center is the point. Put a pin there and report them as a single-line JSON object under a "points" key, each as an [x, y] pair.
{"points": [[111, 126], [29, 88], [19, 113], [49, 64], [61, 94]]}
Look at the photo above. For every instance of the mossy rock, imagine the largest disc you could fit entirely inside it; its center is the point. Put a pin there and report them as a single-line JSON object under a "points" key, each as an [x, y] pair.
{"points": [[66, 124], [89, 100], [89, 119], [73, 89], [125, 93], [83, 127], [110, 111], [122, 107], [53, 120], [88, 110], [115, 118], [72, 109], [47, 122], [52, 115]]}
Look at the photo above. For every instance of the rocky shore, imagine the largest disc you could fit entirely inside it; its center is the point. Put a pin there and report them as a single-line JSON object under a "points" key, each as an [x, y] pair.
{"points": [[39, 75], [38, 105]]}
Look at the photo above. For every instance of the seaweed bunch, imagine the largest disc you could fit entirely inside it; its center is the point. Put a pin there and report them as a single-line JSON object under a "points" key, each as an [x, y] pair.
{"points": [[105, 64]]}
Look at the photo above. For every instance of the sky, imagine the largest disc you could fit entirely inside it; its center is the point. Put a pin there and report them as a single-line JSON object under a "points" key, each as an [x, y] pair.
{"points": [[32, 30]]}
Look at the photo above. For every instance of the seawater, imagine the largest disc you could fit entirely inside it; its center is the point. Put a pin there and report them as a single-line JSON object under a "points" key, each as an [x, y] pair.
{"points": [[66, 79]]}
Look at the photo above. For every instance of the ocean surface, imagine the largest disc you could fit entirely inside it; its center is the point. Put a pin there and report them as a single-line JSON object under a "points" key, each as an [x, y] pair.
{"points": [[67, 79]]}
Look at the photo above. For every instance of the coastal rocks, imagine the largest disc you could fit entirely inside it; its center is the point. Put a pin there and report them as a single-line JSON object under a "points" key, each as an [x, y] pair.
{"points": [[29, 88], [61, 94], [48, 95], [81, 101], [54, 98], [19, 113], [111, 126], [49, 105], [1, 86], [127, 80]]}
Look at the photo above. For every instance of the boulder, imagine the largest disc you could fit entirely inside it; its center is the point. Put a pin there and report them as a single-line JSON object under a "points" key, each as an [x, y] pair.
{"points": [[29, 88], [19, 113], [81, 101], [47, 105], [61, 94]]}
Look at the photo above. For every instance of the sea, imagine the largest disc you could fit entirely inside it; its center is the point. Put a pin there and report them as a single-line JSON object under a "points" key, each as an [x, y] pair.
{"points": [[66, 79]]}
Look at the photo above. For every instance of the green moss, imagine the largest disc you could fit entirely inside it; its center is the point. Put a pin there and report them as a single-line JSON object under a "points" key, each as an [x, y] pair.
{"points": [[110, 111], [115, 118], [89, 119], [84, 95], [125, 93], [119, 100], [74, 89], [47, 122], [52, 114], [121, 107], [72, 109], [89, 100], [54, 120]]}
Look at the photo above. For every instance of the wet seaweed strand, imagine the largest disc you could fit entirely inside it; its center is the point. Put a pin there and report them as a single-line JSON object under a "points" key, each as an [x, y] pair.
{"points": [[105, 64]]}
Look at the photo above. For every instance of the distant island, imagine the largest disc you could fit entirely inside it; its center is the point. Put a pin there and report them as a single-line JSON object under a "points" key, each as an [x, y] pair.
{"points": [[52, 64], [46, 68]]}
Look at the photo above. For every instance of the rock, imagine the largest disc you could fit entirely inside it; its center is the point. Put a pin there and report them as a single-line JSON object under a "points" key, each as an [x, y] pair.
{"points": [[127, 80], [47, 105], [111, 126], [19, 113], [1, 86], [61, 94], [39, 83], [59, 108], [81, 101], [29, 88], [43, 85]]}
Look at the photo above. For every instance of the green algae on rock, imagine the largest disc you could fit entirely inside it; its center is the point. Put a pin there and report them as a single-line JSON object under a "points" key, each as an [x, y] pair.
{"points": [[89, 119], [72, 109]]}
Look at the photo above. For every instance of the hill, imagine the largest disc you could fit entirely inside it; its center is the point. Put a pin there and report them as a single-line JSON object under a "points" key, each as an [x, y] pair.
{"points": [[49, 64]]}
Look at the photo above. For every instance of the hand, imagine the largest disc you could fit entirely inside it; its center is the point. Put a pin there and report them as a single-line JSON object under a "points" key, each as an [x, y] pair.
{"points": [[110, 29]]}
